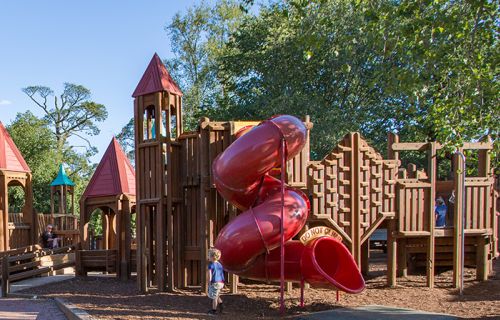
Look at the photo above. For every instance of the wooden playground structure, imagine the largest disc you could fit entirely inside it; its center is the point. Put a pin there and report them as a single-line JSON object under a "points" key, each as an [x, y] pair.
{"points": [[111, 191], [353, 190]]}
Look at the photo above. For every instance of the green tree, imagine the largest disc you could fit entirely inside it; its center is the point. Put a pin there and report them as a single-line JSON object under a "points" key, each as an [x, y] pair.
{"points": [[426, 70], [126, 139], [445, 55], [72, 113], [315, 58], [197, 38], [37, 144]]}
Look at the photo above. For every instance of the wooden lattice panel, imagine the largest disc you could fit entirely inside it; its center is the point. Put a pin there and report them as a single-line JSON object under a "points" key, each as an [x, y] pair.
{"points": [[352, 189]]}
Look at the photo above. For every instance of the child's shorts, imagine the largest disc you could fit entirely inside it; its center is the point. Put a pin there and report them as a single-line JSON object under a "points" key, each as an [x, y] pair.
{"points": [[214, 289]]}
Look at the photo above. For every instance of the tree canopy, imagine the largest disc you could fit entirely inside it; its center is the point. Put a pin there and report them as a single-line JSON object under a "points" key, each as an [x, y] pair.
{"points": [[426, 70], [45, 142], [72, 113]]}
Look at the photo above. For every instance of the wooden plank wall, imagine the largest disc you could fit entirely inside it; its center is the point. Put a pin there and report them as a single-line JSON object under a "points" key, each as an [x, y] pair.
{"points": [[478, 203], [19, 231], [190, 237]]}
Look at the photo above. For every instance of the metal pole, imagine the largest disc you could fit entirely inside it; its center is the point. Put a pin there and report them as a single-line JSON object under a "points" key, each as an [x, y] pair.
{"points": [[462, 231], [282, 227], [302, 292]]}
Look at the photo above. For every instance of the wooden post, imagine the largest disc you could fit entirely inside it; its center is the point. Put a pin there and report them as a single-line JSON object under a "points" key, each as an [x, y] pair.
{"points": [[126, 232], [365, 257], [5, 276], [457, 219], [402, 262], [105, 229], [391, 253], [78, 263], [139, 208], [204, 184], [234, 283], [392, 247], [29, 212], [484, 170], [141, 249], [355, 199], [169, 208], [5, 194], [84, 226], [162, 223], [3, 229], [482, 265], [431, 158]]}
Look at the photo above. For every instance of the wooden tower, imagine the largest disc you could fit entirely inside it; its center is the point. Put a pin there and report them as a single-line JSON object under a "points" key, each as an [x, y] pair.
{"points": [[158, 121], [112, 190], [14, 172], [62, 189]]}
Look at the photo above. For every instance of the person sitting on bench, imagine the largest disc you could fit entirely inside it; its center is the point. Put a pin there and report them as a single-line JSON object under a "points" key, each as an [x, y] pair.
{"points": [[49, 238]]}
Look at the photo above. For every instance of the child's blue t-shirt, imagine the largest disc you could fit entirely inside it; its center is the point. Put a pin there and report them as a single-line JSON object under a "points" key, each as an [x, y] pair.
{"points": [[440, 211], [217, 271]]}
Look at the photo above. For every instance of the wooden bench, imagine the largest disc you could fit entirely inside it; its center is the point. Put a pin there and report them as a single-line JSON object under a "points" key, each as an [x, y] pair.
{"points": [[96, 260]]}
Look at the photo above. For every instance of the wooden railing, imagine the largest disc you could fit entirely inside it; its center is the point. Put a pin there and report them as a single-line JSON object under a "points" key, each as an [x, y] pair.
{"points": [[26, 262]]}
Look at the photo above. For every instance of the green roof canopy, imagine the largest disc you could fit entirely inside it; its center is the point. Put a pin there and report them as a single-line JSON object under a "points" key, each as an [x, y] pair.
{"points": [[62, 179]]}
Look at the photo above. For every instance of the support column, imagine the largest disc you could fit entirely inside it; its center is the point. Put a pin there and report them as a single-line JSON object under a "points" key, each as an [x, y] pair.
{"points": [[431, 158], [4, 217], [482, 262], [457, 220], [402, 259], [391, 253], [365, 257]]}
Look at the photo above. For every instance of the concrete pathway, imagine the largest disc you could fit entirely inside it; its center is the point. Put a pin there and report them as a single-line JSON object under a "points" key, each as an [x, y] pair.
{"points": [[26, 308], [29, 309], [375, 313], [38, 281]]}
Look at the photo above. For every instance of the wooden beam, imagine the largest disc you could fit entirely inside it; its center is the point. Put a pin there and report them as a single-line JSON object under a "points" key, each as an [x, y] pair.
{"points": [[432, 171], [410, 146]]}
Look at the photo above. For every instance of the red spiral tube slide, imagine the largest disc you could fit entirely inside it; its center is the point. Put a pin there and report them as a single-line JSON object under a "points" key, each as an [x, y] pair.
{"points": [[250, 243]]}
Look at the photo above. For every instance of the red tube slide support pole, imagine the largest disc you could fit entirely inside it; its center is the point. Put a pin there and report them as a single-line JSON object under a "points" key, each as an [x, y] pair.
{"points": [[282, 227]]}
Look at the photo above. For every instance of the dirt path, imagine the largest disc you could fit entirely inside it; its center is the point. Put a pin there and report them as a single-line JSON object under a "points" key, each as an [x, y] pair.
{"points": [[14, 309]]}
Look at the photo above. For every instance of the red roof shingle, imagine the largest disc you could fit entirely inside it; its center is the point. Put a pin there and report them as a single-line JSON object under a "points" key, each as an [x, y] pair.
{"points": [[114, 174], [155, 79], [10, 157]]}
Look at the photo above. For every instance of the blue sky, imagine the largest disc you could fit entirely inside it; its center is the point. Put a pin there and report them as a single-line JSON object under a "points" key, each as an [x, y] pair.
{"points": [[104, 45]]}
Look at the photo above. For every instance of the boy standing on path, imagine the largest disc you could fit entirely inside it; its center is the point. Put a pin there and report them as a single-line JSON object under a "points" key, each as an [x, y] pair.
{"points": [[216, 280]]}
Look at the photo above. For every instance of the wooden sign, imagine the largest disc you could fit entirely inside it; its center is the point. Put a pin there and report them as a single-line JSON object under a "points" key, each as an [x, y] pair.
{"points": [[317, 232]]}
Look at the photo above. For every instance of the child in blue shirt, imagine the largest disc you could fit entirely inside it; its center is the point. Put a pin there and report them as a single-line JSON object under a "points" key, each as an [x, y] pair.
{"points": [[440, 212], [216, 280]]}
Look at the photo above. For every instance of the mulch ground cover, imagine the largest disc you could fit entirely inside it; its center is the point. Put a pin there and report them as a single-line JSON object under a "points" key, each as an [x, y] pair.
{"points": [[109, 298]]}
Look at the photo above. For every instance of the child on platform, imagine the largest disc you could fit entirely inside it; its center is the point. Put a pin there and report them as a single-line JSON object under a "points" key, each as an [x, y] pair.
{"points": [[440, 212], [216, 280]]}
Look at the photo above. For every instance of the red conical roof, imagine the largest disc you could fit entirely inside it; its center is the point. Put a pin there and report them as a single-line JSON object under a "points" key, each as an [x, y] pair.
{"points": [[114, 174], [155, 79], [10, 157]]}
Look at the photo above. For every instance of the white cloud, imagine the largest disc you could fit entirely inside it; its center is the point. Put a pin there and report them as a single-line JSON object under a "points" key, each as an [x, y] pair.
{"points": [[4, 102]]}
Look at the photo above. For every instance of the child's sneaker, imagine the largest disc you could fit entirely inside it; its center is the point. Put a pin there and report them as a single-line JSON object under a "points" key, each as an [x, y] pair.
{"points": [[212, 312]]}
